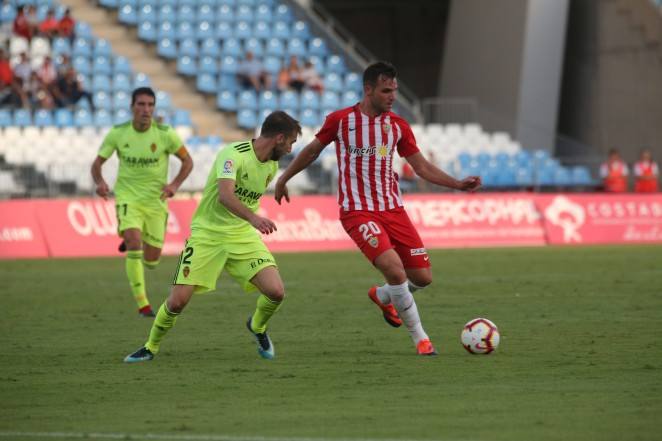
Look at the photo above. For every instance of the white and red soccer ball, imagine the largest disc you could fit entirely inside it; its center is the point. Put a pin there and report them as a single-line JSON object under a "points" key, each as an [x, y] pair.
{"points": [[480, 336]]}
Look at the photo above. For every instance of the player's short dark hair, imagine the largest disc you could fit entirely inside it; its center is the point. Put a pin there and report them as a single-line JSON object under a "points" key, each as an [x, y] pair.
{"points": [[142, 91], [372, 73], [279, 122]]}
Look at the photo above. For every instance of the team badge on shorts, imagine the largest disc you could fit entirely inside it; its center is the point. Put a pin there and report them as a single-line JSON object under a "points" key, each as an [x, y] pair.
{"points": [[186, 271], [228, 166], [373, 242], [152, 147]]}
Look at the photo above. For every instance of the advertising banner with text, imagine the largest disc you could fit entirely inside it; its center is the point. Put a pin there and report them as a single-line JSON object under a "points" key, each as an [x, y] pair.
{"points": [[88, 227]]}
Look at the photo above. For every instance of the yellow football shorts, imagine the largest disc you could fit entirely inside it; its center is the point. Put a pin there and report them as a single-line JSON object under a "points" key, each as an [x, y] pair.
{"points": [[150, 219], [203, 260]]}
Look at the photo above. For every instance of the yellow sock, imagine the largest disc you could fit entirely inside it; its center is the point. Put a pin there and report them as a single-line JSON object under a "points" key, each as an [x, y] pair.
{"points": [[151, 264], [162, 323], [136, 276], [265, 309]]}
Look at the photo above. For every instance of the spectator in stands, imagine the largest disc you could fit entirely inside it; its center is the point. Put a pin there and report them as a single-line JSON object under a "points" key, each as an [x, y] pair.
{"points": [[646, 174], [283, 80], [63, 65], [21, 27], [311, 78], [38, 95], [67, 26], [614, 173], [32, 20], [251, 74], [9, 90], [22, 74], [70, 90], [294, 74], [50, 26]]}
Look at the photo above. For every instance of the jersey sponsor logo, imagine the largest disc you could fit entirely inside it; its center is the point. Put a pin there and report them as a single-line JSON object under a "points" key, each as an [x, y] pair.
{"points": [[228, 166], [382, 151], [362, 151], [259, 262], [246, 195], [140, 162], [417, 251], [152, 147]]}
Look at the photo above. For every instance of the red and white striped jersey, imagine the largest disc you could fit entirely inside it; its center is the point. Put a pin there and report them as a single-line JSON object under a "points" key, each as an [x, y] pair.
{"points": [[364, 149]]}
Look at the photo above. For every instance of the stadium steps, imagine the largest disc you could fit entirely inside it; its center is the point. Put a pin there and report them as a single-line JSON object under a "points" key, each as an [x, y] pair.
{"points": [[162, 74]]}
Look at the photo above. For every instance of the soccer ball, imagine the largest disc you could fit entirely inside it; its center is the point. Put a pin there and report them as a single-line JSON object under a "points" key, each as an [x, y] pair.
{"points": [[480, 336]]}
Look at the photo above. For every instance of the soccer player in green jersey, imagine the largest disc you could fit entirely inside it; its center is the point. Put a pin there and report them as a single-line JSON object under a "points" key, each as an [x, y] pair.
{"points": [[141, 190], [224, 235]]}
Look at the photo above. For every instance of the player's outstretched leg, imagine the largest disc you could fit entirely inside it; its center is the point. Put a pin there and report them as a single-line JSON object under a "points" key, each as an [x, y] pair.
{"points": [[268, 281], [265, 346], [136, 275], [408, 311], [379, 296]]}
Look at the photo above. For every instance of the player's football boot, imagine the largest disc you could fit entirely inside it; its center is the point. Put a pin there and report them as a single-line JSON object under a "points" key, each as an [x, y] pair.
{"points": [[122, 247], [146, 311], [389, 312], [142, 354], [264, 345], [424, 347]]}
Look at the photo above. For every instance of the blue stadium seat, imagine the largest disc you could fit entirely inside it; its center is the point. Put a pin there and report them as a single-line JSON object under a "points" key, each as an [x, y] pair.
{"points": [[247, 100], [166, 30], [524, 177], [247, 119], [228, 82], [289, 99], [353, 81], [275, 47], [581, 176], [64, 118], [333, 82], [505, 177], [5, 118], [271, 64], [81, 47], [101, 65], [226, 100], [318, 64], [318, 47], [223, 30], [349, 98], [268, 100], [7, 13], [244, 13], [210, 46], [523, 158], [187, 66], [284, 13], [101, 83], [309, 118], [82, 65], [141, 80], [167, 13], [147, 31], [207, 65], [121, 81], [121, 100], [228, 65], [188, 47], [127, 15], [263, 12], [335, 64], [205, 29], [225, 13], [83, 29], [60, 46], [102, 100], [330, 100], [163, 100], [181, 118], [121, 116], [309, 100], [103, 118], [232, 47], [562, 177], [242, 29], [184, 30], [296, 47], [167, 48], [206, 83], [43, 118], [262, 29], [254, 45], [147, 14], [185, 13], [121, 65], [110, 4], [205, 12], [281, 30], [83, 118], [301, 30]]}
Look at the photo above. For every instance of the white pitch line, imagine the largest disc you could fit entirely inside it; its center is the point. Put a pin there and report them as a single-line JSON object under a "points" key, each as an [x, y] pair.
{"points": [[175, 437]]}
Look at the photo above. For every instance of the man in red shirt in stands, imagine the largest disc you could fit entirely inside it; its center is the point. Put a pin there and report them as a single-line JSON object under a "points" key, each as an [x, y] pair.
{"points": [[614, 173], [646, 173], [67, 26], [21, 26], [50, 26], [9, 90], [367, 136]]}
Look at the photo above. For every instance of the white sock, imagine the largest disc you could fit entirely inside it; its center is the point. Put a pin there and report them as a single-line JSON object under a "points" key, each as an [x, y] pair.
{"points": [[406, 306], [413, 288], [382, 294]]}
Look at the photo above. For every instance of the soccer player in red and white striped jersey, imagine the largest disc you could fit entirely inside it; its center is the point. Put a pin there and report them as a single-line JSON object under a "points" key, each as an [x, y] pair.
{"points": [[367, 136]]}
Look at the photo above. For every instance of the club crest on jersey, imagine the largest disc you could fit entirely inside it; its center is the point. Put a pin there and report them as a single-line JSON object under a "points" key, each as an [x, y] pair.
{"points": [[373, 242], [386, 127], [228, 166], [152, 147], [186, 271], [382, 151]]}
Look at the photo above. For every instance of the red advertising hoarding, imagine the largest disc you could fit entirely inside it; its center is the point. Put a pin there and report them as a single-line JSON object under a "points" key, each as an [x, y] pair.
{"points": [[20, 233]]}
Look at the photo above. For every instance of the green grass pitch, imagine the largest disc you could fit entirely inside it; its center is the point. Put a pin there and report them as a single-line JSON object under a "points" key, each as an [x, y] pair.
{"points": [[580, 355]]}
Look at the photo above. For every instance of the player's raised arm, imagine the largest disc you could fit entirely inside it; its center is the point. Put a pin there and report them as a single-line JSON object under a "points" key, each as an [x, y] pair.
{"points": [[102, 187], [227, 197], [185, 170], [431, 173], [302, 160]]}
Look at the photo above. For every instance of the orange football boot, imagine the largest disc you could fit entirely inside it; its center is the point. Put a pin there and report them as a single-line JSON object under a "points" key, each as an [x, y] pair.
{"points": [[424, 347], [390, 314]]}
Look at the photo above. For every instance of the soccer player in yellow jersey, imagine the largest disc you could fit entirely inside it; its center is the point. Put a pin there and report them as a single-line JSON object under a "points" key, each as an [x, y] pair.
{"points": [[225, 234], [141, 190]]}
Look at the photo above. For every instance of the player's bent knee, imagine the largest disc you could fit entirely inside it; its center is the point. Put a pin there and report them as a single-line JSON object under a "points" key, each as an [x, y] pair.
{"points": [[277, 294]]}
